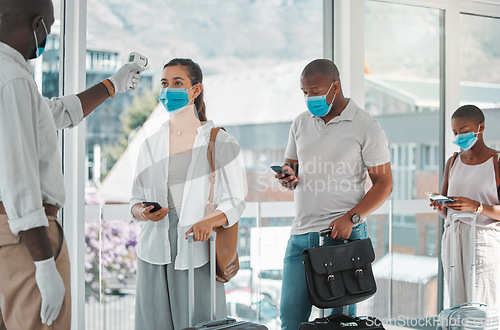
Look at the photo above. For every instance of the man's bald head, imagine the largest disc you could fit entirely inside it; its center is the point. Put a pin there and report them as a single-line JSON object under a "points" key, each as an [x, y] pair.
{"points": [[26, 24], [323, 66], [14, 13]]}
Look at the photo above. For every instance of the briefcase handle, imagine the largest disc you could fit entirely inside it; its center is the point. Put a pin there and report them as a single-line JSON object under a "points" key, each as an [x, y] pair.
{"points": [[327, 231]]}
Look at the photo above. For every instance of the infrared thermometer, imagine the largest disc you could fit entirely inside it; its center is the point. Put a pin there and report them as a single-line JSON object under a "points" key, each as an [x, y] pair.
{"points": [[140, 60]]}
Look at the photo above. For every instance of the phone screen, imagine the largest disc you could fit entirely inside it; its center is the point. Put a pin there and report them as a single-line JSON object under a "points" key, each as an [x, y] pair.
{"points": [[440, 198], [280, 170], [155, 204]]}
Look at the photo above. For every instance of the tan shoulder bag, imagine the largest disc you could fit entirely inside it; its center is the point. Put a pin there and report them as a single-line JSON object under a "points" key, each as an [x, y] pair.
{"points": [[226, 243]]}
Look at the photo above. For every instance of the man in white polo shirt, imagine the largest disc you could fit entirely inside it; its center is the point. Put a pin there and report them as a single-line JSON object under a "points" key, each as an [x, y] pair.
{"points": [[331, 149]]}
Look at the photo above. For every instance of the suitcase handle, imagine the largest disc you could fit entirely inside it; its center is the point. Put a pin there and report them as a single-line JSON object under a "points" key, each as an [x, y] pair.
{"points": [[217, 323], [468, 304], [213, 235]]}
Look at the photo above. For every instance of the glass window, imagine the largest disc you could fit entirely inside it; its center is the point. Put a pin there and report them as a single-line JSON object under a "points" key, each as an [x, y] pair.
{"points": [[46, 67], [430, 156], [431, 240], [479, 81], [402, 92], [251, 54]]}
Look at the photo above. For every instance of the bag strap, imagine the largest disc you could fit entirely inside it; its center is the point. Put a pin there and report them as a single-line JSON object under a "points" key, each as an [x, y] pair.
{"points": [[497, 175], [453, 159], [211, 161], [447, 170]]}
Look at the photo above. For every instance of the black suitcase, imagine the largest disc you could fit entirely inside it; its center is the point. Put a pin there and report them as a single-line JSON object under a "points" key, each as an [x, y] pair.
{"points": [[213, 324], [341, 321]]}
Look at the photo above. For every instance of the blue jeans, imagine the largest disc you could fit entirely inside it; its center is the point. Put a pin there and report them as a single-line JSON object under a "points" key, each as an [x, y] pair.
{"points": [[295, 307]]}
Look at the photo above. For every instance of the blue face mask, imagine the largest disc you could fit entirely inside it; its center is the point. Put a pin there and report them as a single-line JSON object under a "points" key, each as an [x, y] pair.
{"points": [[317, 105], [41, 49], [174, 99], [466, 140]]}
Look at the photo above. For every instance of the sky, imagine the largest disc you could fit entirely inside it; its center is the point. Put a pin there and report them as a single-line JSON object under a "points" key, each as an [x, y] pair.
{"points": [[225, 36]]}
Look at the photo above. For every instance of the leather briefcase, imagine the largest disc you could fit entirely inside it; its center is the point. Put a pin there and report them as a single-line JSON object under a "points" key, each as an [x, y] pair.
{"points": [[340, 275]]}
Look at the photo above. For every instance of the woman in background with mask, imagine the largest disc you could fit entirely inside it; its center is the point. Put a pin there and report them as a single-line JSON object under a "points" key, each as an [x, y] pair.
{"points": [[471, 179], [173, 170]]}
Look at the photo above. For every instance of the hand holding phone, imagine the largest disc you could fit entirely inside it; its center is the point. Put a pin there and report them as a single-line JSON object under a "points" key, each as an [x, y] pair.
{"points": [[280, 170], [156, 206]]}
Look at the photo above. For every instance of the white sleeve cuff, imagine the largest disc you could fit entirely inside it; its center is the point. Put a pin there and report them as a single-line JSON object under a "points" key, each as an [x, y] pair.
{"points": [[233, 213], [378, 162], [74, 108], [32, 220], [134, 201]]}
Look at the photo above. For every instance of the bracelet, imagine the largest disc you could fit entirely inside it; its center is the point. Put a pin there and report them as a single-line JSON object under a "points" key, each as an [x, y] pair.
{"points": [[109, 87]]}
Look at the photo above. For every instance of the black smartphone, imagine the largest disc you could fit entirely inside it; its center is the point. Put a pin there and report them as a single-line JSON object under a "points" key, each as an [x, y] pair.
{"points": [[155, 204], [280, 170]]}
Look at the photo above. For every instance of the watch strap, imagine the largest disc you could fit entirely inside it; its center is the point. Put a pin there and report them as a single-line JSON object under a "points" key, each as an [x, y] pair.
{"points": [[109, 87]]}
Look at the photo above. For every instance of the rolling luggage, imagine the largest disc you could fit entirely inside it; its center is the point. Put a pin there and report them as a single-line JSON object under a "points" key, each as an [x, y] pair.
{"points": [[339, 321], [213, 324], [469, 315]]}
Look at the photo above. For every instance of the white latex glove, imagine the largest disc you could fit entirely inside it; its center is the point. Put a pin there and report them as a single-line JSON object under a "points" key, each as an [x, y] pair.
{"points": [[52, 289], [127, 77]]}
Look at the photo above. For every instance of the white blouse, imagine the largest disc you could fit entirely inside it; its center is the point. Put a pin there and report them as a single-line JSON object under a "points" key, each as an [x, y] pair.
{"points": [[151, 184]]}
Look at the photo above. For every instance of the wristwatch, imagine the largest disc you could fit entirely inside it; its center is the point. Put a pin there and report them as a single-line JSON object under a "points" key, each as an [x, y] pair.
{"points": [[479, 208], [110, 87], [355, 218]]}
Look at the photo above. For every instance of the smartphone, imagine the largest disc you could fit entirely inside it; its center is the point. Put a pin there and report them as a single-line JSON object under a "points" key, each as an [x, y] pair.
{"points": [[280, 170], [155, 204], [440, 198]]}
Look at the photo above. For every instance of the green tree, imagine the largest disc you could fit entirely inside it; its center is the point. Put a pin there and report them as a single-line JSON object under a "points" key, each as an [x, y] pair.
{"points": [[132, 119]]}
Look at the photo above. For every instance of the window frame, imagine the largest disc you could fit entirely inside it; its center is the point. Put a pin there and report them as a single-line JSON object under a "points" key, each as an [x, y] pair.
{"points": [[343, 23]]}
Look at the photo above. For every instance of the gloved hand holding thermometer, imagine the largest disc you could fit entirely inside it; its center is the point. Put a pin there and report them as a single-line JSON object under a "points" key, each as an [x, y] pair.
{"points": [[139, 59], [127, 77]]}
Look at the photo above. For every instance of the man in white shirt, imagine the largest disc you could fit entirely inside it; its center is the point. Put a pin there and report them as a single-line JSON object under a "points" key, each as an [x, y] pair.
{"points": [[331, 149], [34, 261]]}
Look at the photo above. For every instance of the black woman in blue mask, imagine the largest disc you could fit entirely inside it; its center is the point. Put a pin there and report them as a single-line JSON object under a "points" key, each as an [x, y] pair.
{"points": [[173, 170], [471, 179]]}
